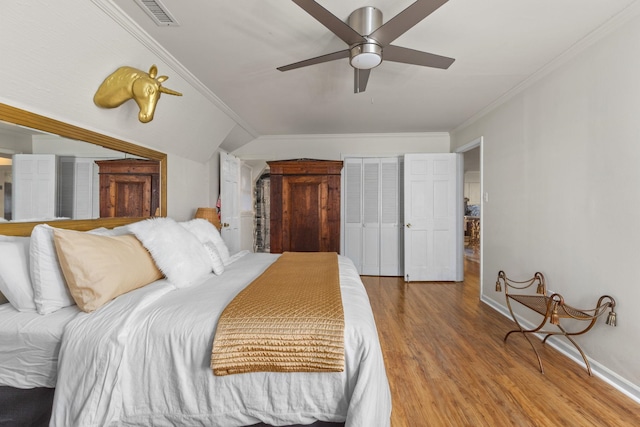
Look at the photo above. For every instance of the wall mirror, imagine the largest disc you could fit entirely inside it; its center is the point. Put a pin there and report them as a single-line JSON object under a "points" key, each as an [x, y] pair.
{"points": [[30, 143]]}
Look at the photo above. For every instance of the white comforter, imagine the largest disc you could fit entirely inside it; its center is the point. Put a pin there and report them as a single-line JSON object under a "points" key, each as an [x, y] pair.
{"points": [[143, 359], [29, 345]]}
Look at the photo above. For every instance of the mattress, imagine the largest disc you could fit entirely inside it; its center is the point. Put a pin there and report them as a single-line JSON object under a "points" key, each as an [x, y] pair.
{"points": [[144, 360], [30, 346]]}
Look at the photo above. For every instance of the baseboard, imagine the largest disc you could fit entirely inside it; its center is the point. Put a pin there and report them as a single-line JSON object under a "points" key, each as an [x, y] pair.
{"points": [[622, 384]]}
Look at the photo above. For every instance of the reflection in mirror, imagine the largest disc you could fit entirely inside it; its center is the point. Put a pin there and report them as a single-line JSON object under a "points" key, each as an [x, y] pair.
{"points": [[45, 176], [50, 170]]}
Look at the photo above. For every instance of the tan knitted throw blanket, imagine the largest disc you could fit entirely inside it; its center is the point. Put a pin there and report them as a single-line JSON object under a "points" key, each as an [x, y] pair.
{"points": [[289, 319]]}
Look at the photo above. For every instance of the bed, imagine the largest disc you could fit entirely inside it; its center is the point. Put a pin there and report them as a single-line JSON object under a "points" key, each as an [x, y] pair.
{"points": [[144, 359]]}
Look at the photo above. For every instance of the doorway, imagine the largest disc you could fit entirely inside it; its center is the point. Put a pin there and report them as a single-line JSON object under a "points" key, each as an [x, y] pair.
{"points": [[473, 201]]}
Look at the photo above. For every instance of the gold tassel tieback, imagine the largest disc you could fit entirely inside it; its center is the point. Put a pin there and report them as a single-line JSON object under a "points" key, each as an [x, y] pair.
{"points": [[555, 319], [498, 286], [541, 288], [611, 318]]}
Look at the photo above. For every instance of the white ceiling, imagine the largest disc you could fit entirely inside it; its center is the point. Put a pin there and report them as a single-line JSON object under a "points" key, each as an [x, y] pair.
{"points": [[234, 47]]}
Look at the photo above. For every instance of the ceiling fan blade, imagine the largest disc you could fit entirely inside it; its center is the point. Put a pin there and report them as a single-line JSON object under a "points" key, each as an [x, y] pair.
{"points": [[360, 79], [317, 60], [332, 22], [415, 57], [406, 19]]}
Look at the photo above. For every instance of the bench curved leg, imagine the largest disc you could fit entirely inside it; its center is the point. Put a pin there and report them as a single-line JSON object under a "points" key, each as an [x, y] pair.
{"points": [[524, 334], [575, 344]]}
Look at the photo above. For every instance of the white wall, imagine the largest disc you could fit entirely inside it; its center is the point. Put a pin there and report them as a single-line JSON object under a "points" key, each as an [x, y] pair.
{"points": [[333, 147], [187, 187], [561, 164], [55, 55]]}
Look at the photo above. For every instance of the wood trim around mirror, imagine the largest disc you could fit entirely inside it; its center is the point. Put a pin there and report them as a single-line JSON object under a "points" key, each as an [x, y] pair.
{"points": [[25, 118]]}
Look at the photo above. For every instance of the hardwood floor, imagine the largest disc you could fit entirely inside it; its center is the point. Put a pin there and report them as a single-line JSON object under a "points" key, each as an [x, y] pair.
{"points": [[448, 366]]}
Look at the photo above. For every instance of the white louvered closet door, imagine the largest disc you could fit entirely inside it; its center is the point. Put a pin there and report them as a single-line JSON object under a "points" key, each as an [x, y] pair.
{"points": [[391, 230], [371, 217], [353, 211], [34, 186], [373, 204]]}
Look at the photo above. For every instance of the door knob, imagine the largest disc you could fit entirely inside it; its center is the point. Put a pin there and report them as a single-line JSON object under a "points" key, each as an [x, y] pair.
{"points": [[409, 225], [225, 224]]}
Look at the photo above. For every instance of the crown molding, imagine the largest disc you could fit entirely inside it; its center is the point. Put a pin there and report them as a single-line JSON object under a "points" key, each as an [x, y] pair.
{"points": [[402, 135], [121, 18], [611, 25]]}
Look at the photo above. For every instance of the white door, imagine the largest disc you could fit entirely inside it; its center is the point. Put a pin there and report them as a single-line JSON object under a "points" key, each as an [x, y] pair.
{"points": [[34, 186], [371, 217], [78, 188], [391, 232], [353, 211], [230, 200], [431, 214]]}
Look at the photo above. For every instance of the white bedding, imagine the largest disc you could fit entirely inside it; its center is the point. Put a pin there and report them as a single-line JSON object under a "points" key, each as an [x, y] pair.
{"points": [[144, 360], [29, 346]]}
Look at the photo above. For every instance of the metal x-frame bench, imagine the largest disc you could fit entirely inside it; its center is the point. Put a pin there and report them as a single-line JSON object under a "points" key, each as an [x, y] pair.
{"points": [[552, 308]]}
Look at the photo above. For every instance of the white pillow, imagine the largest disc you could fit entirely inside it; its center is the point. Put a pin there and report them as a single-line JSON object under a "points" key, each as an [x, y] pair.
{"points": [[207, 232], [3, 238], [118, 231], [216, 262], [176, 251], [15, 283], [49, 287], [233, 258]]}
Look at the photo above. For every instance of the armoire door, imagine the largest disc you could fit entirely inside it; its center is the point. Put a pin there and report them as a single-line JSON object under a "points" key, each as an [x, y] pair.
{"points": [[305, 205], [125, 196], [304, 198]]}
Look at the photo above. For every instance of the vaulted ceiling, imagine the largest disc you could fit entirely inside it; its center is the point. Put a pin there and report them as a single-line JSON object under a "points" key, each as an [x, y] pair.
{"points": [[234, 47]]}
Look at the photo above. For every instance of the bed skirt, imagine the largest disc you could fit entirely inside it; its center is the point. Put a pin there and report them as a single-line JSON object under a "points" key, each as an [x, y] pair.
{"points": [[25, 407], [32, 407]]}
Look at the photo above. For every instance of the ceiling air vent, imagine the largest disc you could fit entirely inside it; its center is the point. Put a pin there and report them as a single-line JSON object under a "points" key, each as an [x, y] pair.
{"points": [[158, 12]]}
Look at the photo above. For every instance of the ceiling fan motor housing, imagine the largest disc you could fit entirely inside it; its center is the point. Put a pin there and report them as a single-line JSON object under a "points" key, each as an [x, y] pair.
{"points": [[369, 54]]}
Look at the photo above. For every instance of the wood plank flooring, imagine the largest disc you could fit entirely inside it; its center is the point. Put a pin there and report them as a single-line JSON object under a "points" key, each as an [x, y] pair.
{"points": [[448, 366]]}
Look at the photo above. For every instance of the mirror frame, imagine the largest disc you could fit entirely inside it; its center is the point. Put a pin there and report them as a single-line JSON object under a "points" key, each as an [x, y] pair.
{"points": [[31, 120]]}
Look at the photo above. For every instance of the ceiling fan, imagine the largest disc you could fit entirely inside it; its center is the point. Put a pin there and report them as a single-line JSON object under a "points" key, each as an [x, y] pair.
{"points": [[369, 40]]}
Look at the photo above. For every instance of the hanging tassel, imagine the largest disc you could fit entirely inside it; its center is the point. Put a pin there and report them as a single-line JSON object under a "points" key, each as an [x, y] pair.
{"points": [[555, 319], [541, 288], [498, 286], [611, 318]]}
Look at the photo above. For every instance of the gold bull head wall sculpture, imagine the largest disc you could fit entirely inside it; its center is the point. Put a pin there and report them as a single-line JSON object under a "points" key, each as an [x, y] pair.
{"points": [[126, 83]]}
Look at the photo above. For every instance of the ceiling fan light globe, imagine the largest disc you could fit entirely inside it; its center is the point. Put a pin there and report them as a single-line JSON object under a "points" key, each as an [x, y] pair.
{"points": [[366, 61], [365, 56]]}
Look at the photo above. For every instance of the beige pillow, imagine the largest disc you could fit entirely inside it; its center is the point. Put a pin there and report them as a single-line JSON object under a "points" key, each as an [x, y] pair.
{"points": [[99, 268]]}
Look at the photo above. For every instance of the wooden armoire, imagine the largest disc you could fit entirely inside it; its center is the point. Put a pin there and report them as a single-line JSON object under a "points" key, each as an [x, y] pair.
{"points": [[305, 205], [129, 187]]}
